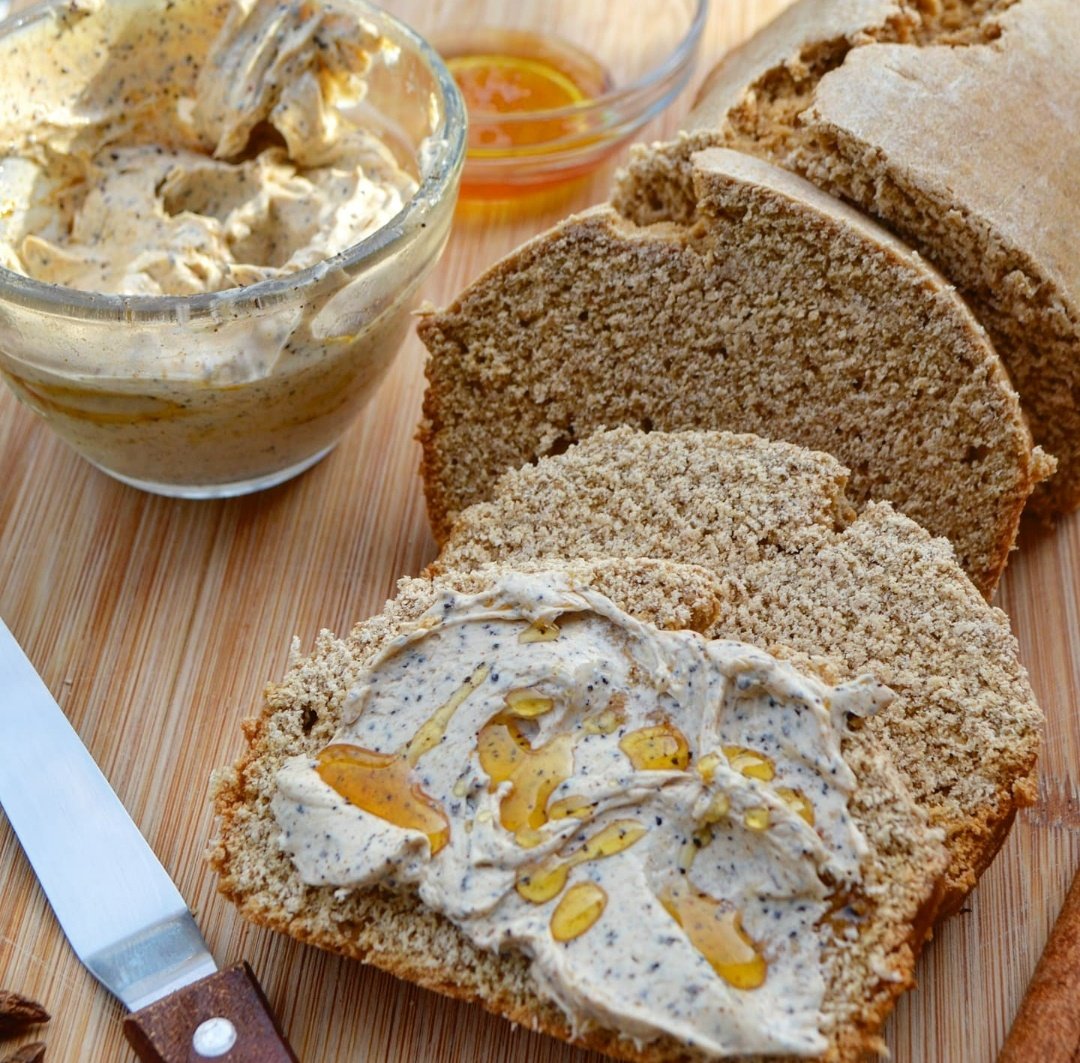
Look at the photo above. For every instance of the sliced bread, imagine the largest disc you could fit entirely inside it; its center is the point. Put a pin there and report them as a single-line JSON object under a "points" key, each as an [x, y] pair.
{"points": [[956, 124], [800, 569], [778, 311], [865, 968]]}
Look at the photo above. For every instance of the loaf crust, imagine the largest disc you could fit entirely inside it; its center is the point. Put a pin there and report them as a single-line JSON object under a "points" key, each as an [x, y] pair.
{"points": [[1047, 1026], [395, 932], [799, 568], [779, 311], [955, 123]]}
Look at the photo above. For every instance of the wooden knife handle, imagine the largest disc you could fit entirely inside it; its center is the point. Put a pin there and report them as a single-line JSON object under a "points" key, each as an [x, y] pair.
{"points": [[224, 1018], [1047, 1027]]}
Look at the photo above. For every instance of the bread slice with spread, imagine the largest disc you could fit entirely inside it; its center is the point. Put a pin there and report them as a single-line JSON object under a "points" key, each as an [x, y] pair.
{"points": [[776, 310], [955, 123], [709, 858], [802, 568]]}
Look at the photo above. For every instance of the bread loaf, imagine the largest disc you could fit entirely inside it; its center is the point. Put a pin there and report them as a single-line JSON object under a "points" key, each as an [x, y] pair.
{"points": [[778, 311], [956, 124], [800, 568]]}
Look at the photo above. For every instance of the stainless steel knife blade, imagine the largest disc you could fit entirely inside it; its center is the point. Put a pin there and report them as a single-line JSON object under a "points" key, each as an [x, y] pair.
{"points": [[121, 912]]}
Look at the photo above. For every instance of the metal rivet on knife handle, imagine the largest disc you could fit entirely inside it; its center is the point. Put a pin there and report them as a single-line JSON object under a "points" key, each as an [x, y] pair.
{"points": [[165, 1032], [214, 1037]]}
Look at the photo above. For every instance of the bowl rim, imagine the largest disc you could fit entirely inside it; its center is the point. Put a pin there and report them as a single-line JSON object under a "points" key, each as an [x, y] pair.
{"points": [[681, 54], [442, 159]]}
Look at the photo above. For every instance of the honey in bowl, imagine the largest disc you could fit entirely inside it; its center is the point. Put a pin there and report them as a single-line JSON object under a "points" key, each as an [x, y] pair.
{"points": [[520, 89]]}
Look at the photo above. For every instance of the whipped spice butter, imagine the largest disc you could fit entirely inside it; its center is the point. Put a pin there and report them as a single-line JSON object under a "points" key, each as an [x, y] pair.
{"points": [[189, 172], [657, 820], [188, 148]]}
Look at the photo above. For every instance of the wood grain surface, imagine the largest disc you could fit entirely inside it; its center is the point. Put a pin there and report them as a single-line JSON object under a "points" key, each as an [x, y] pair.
{"points": [[156, 623]]}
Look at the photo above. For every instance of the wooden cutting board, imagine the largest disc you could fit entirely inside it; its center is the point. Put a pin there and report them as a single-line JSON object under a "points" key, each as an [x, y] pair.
{"points": [[156, 624]]}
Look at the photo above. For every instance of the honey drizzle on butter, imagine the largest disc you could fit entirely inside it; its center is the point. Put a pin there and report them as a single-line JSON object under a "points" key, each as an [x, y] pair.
{"points": [[526, 704], [534, 774], [579, 909], [609, 719], [755, 765], [715, 930], [662, 747], [713, 926], [433, 729], [539, 631], [798, 802], [757, 819], [570, 807], [750, 762], [383, 784], [545, 882]]}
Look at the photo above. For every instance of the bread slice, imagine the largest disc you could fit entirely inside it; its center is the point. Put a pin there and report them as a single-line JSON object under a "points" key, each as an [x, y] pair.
{"points": [[864, 971], [870, 591], [956, 124], [779, 311]]}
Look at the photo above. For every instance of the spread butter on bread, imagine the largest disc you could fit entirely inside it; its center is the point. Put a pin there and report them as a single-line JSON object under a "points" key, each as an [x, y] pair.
{"points": [[717, 820]]}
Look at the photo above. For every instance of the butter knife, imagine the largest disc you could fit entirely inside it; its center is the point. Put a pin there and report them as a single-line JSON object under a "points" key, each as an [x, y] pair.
{"points": [[121, 912]]}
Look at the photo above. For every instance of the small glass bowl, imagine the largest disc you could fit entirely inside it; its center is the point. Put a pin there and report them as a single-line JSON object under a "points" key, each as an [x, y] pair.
{"points": [[220, 394], [646, 50]]}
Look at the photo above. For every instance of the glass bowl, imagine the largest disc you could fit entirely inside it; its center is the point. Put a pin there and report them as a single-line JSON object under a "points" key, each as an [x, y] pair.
{"points": [[626, 61], [227, 392]]}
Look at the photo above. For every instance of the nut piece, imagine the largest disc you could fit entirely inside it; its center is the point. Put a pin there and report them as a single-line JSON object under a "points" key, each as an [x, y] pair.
{"points": [[32, 1053], [18, 1012]]}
